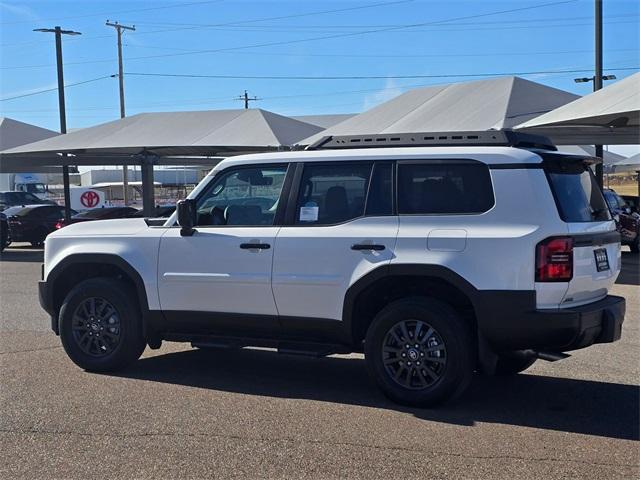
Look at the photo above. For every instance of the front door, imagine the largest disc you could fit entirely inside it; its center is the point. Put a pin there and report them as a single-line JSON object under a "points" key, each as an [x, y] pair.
{"points": [[226, 265]]}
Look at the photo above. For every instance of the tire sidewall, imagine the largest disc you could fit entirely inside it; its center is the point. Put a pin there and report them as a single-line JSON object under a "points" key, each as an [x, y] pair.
{"points": [[455, 335], [130, 328]]}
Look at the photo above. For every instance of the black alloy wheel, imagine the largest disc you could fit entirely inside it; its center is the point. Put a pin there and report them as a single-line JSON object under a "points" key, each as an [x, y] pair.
{"points": [[96, 327]]}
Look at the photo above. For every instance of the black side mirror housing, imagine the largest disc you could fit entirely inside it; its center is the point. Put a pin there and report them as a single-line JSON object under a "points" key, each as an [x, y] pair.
{"points": [[187, 216]]}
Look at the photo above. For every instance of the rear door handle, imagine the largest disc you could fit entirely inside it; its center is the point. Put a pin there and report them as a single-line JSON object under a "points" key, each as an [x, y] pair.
{"points": [[255, 246], [367, 246]]}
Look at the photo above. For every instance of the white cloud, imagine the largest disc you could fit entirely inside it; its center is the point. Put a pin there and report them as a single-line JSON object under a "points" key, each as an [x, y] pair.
{"points": [[390, 90], [21, 11]]}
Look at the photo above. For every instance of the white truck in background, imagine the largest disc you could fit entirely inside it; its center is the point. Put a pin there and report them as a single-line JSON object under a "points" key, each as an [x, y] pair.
{"points": [[34, 183]]}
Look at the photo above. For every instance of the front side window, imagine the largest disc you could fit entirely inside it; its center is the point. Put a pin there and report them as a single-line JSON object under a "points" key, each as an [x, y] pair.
{"points": [[331, 194], [444, 188], [244, 196]]}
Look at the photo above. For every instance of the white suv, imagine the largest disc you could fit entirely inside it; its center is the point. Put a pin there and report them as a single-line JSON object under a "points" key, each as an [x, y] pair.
{"points": [[468, 252]]}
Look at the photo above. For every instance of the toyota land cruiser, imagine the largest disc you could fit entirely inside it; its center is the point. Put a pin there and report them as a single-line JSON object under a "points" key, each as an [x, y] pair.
{"points": [[437, 255]]}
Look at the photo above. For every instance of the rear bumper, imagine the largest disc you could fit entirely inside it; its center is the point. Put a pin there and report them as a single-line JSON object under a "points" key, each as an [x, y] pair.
{"points": [[558, 330]]}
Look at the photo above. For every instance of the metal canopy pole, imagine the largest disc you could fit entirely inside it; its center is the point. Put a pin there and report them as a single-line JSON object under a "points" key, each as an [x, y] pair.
{"points": [[63, 117], [148, 194], [597, 83]]}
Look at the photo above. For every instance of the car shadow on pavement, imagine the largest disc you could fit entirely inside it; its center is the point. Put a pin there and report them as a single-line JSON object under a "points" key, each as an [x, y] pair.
{"points": [[561, 404], [630, 271], [32, 255]]}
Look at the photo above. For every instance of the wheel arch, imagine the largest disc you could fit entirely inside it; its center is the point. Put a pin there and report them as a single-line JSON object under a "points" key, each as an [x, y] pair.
{"points": [[82, 266], [380, 286]]}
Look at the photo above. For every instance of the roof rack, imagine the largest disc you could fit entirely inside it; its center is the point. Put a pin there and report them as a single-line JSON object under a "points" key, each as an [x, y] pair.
{"points": [[486, 138]]}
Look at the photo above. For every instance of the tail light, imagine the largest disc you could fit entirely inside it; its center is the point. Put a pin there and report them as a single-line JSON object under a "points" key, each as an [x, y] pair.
{"points": [[60, 224], [554, 260]]}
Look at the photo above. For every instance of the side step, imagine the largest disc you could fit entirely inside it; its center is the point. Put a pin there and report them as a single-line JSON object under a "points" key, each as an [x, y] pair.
{"points": [[551, 356], [285, 347]]}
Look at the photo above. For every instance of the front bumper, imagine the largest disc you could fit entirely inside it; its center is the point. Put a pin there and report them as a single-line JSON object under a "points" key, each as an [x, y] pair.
{"points": [[559, 330], [45, 298]]}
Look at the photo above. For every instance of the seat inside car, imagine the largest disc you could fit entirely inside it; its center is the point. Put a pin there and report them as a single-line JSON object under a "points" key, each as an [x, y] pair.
{"points": [[243, 215], [336, 205]]}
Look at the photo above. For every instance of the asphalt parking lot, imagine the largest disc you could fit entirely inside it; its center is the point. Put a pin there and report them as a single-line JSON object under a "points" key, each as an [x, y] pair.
{"points": [[185, 413]]}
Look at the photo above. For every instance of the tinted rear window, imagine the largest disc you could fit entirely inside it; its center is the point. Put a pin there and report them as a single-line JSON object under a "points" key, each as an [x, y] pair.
{"points": [[577, 193], [444, 188]]}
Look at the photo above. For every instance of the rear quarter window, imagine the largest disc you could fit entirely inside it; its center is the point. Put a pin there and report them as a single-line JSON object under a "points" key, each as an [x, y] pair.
{"points": [[444, 188], [577, 194]]}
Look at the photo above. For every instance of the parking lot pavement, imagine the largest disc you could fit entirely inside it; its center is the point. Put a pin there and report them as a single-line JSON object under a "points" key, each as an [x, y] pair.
{"points": [[185, 413]]}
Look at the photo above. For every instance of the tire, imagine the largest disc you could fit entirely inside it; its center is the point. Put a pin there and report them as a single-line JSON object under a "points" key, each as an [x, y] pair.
{"points": [[442, 336], [512, 363], [106, 341]]}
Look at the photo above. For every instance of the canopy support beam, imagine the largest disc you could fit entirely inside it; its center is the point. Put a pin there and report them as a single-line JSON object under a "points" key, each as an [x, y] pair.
{"points": [[148, 194]]}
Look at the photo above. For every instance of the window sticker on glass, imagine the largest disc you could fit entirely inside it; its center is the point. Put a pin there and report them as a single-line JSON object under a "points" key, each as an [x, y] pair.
{"points": [[309, 214]]}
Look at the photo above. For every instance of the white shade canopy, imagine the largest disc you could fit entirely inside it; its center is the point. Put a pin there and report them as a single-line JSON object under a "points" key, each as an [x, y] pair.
{"points": [[610, 116], [14, 133], [626, 165], [207, 133], [470, 106]]}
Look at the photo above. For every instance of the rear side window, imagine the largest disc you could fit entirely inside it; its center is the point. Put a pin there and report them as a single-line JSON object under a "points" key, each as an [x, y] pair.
{"points": [[444, 188], [576, 192], [331, 194]]}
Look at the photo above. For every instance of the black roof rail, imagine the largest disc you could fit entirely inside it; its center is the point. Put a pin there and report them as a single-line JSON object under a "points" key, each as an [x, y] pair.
{"points": [[485, 138]]}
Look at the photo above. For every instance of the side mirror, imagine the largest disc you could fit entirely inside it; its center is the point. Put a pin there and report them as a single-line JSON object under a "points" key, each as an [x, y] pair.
{"points": [[187, 217]]}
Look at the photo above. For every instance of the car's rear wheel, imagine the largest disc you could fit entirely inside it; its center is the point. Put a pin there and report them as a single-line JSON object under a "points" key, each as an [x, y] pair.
{"points": [[100, 325], [419, 351], [512, 363]]}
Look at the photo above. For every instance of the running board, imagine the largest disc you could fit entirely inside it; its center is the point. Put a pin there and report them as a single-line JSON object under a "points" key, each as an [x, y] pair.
{"points": [[551, 356], [285, 347]]}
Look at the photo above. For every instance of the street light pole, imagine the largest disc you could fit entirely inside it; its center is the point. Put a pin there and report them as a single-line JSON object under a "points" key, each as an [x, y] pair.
{"points": [[61, 106], [125, 169]]}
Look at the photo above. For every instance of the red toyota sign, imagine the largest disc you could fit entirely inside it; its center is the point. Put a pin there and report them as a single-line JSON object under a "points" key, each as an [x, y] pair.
{"points": [[89, 199]]}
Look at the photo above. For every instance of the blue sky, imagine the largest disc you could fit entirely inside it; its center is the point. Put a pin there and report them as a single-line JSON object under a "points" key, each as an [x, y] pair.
{"points": [[255, 38]]}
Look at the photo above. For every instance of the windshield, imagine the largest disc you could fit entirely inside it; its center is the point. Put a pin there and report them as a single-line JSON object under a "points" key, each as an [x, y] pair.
{"points": [[577, 193], [34, 188]]}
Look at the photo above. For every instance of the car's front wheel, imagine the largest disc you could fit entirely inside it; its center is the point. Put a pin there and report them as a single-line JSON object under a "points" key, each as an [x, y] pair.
{"points": [[100, 325], [420, 352]]}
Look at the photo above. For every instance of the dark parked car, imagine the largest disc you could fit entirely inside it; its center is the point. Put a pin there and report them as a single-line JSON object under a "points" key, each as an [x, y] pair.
{"points": [[10, 199], [626, 217], [4, 232], [32, 223], [161, 211], [106, 213]]}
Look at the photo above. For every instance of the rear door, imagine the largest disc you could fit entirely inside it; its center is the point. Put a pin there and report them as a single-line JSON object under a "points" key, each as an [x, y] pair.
{"points": [[340, 228], [596, 244]]}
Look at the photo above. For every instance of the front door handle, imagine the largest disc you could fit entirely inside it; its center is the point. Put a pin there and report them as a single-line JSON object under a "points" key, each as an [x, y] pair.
{"points": [[367, 246], [255, 246]]}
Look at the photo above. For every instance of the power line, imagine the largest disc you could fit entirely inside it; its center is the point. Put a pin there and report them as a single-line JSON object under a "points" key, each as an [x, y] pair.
{"points": [[349, 34], [256, 20], [360, 77], [176, 5], [56, 88]]}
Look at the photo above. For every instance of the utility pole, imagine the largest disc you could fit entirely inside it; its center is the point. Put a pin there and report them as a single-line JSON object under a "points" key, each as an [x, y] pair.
{"points": [[119, 29], [246, 98], [63, 115], [597, 82]]}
